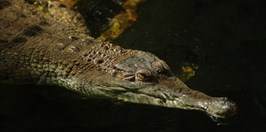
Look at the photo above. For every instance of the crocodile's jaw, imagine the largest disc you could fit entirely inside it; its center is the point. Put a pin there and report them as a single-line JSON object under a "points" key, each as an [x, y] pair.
{"points": [[169, 92]]}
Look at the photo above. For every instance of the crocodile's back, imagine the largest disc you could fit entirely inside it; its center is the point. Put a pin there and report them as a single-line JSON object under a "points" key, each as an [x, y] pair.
{"points": [[29, 37], [20, 21], [12, 21], [49, 47]]}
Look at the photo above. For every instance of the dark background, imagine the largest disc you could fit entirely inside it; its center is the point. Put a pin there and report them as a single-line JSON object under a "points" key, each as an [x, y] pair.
{"points": [[225, 38]]}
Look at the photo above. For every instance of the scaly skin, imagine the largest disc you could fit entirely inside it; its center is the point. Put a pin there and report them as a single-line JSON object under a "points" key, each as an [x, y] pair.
{"points": [[54, 49]]}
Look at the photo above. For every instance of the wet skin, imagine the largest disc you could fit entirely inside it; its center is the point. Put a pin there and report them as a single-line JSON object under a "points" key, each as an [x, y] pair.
{"points": [[57, 50]]}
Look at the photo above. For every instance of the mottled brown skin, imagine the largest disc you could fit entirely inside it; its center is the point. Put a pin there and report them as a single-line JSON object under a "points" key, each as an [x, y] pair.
{"points": [[54, 48]]}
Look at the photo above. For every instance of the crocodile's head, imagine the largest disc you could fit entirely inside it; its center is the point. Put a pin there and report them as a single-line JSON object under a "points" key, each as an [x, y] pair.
{"points": [[145, 79]]}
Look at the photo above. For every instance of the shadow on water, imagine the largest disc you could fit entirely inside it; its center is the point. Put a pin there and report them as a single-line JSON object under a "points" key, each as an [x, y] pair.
{"points": [[31, 108], [226, 39]]}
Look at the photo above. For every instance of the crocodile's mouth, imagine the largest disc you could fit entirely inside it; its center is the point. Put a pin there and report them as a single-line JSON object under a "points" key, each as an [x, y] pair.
{"points": [[170, 93]]}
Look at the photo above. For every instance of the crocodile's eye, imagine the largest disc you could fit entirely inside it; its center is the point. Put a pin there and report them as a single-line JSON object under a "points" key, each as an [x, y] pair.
{"points": [[144, 75], [161, 68]]}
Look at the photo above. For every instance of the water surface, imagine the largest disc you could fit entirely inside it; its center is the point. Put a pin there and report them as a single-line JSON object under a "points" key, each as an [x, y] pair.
{"points": [[226, 39]]}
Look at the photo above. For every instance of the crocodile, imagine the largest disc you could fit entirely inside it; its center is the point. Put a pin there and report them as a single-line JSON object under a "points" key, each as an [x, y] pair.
{"points": [[54, 47]]}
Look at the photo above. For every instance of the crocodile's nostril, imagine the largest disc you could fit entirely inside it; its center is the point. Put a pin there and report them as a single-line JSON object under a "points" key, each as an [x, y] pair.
{"points": [[232, 107], [227, 107]]}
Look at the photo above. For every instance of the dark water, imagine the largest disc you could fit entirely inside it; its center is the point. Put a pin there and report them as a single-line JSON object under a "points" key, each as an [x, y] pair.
{"points": [[225, 38]]}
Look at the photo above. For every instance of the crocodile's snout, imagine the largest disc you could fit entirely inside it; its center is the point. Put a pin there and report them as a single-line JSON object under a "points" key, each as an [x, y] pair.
{"points": [[222, 107], [217, 107]]}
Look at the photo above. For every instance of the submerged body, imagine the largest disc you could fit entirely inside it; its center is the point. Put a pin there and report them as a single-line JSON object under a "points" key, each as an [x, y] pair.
{"points": [[54, 48]]}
